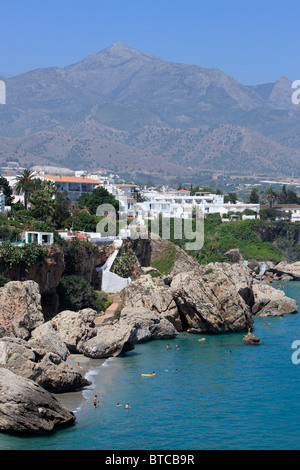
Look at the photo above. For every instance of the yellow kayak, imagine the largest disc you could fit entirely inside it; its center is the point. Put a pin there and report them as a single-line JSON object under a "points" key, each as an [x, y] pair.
{"points": [[202, 339], [147, 375]]}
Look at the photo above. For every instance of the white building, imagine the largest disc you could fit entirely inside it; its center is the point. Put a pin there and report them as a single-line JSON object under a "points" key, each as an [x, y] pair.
{"points": [[41, 238], [75, 186], [181, 204]]}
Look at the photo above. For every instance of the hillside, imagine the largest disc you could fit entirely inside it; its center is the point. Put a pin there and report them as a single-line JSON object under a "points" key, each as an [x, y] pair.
{"points": [[123, 109]]}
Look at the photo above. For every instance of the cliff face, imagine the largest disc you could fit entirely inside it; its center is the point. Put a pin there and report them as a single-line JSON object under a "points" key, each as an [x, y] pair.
{"points": [[46, 272]]}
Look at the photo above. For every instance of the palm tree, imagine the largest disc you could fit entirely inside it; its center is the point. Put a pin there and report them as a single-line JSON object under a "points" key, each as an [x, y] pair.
{"points": [[270, 196], [23, 184]]}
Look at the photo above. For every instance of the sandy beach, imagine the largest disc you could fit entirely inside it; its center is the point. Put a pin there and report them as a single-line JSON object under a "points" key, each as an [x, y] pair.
{"points": [[74, 400]]}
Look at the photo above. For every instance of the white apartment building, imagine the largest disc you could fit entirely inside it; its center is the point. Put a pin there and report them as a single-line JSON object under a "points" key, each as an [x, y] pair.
{"points": [[181, 205]]}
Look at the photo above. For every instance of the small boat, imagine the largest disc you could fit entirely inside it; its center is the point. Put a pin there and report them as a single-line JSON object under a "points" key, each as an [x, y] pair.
{"points": [[201, 340], [147, 375]]}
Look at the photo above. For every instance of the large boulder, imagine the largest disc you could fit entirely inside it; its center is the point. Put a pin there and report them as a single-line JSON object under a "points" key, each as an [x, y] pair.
{"points": [[111, 341], [75, 328], [20, 308], [152, 294], [46, 337], [43, 367], [271, 302], [211, 303], [26, 407], [148, 324]]}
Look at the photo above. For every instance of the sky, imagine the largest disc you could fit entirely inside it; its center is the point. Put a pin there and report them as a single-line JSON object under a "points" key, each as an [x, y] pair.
{"points": [[253, 41]]}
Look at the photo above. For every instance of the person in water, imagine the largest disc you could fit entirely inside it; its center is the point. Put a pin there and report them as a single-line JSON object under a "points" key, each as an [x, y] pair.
{"points": [[95, 401], [127, 406]]}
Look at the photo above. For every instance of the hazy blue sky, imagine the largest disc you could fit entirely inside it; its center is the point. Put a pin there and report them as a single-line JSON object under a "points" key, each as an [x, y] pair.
{"points": [[253, 41]]}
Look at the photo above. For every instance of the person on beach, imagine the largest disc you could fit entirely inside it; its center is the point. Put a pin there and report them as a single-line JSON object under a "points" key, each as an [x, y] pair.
{"points": [[78, 365]]}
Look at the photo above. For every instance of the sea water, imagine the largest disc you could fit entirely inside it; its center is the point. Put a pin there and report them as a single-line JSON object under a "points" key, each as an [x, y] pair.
{"points": [[214, 394]]}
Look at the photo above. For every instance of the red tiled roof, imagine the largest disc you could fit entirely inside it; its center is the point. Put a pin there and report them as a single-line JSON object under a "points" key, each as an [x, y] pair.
{"points": [[69, 179]]}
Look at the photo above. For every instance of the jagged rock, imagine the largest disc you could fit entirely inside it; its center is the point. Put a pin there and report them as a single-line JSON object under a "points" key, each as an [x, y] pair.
{"points": [[251, 339], [46, 337], [152, 294], [238, 275], [45, 368], [20, 308], [211, 302], [76, 328], [26, 407], [271, 302]]}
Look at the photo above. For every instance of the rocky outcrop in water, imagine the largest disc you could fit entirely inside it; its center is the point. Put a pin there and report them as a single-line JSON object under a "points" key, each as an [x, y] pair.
{"points": [[210, 303], [287, 269], [251, 339], [26, 407], [271, 302]]}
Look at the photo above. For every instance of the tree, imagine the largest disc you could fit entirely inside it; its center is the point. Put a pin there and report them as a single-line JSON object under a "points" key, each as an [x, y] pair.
{"points": [[231, 197], [24, 184], [282, 197], [62, 209], [291, 197], [42, 202], [7, 191], [254, 197], [96, 198], [270, 197]]}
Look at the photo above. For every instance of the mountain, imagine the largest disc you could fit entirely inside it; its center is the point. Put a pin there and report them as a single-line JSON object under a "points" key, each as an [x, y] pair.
{"points": [[122, 109]]}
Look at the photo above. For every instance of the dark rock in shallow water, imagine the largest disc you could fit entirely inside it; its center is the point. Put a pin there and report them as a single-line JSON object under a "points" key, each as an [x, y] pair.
{"points": [[251, 339]]}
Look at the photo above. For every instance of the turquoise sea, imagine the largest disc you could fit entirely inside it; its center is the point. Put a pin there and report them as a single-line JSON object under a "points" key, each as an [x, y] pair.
{"points": [[225, 395]]}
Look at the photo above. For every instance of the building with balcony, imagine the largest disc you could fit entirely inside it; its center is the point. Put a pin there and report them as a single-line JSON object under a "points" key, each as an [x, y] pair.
{"points": [[74, 185]]}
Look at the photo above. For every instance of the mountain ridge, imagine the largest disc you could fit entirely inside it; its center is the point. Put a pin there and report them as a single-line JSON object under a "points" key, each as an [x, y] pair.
{"points": [[142, 107]]}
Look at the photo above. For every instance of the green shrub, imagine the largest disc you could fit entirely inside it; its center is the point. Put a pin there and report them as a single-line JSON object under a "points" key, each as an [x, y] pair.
{"points": [[75, 294], [3, 280]]}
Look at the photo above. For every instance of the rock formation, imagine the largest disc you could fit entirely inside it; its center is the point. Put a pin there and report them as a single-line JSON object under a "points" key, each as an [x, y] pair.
{"points": [[75, 328], [251, 339], [26, 407], [271, 302], [210, 303], [290, 269], [20, 308], [153, 294], [45, 368], [111, 341]]}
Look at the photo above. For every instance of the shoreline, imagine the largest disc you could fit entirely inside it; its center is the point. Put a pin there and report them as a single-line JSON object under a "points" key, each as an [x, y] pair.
{"points": [[74, 401]]}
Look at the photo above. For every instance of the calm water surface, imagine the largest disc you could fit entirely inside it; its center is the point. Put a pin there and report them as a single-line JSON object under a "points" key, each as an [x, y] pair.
{"points": [[225, 395]]}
